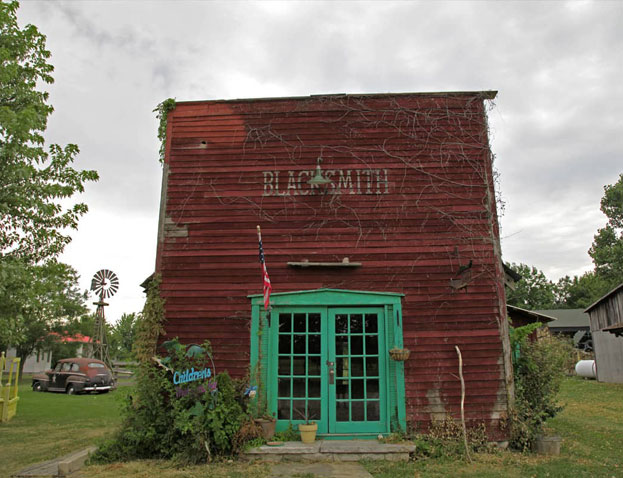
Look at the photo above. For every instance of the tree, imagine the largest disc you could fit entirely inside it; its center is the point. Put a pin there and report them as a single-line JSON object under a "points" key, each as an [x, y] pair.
{"points": [[533, 291], [36, 300], [121, 337], [581, 291], [37, 293], [61, 348], [607, 248], [33, 181]]}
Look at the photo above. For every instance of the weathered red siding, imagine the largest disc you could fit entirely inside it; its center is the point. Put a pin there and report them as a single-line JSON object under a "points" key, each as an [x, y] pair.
{"points": [[427, 208]]}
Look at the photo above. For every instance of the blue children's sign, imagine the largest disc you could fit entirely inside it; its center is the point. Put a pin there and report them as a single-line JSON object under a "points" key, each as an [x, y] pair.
{"points": [[191, 375], [183, 378]]}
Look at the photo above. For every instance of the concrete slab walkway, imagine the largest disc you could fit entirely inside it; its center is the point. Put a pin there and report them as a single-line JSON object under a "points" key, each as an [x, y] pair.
{"points": [[328, 470]]}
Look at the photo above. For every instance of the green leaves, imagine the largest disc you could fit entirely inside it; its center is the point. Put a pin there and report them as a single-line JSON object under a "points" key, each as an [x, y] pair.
{"points": [[33, 180], [538, 372], [162, 111], [121, 337], [533, 291], [195, 351], [196, 410], [36, 300], [607, 248], [612, 203]]}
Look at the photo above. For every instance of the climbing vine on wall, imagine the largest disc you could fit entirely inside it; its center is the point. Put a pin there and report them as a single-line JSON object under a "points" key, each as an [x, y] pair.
{"points": [[150, 325], [162, 111]]}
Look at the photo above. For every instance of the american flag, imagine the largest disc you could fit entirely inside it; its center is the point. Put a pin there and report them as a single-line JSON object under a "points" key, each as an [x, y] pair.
{"points": [[265, 278]]}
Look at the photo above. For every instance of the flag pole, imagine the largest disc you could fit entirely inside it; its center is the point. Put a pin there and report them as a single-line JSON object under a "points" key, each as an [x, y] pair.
{"points": [[264, 273]]}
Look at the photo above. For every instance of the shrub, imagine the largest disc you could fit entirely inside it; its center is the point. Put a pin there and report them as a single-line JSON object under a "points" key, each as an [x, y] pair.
{"points": [[289, 434], [539, 368], [445, 439], [189, 422]]}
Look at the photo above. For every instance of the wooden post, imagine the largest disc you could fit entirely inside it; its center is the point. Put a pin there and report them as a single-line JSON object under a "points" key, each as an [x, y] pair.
{"points": [[458, 351]]}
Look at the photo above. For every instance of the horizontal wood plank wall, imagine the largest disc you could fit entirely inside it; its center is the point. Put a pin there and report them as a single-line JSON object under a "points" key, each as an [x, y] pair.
{"points": [[411, 201], [608, 347]]}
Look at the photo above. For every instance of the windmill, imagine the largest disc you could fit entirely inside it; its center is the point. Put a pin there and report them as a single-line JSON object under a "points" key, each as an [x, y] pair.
{"points": [[105, 284]]}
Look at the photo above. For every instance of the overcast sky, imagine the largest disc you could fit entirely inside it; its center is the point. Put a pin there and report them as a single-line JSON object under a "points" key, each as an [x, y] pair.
{"points": [[557, 128]]}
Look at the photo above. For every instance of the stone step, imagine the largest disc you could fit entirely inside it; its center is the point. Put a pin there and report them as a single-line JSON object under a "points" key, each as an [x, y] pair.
{"points": [[59, 467], [331, 450]]}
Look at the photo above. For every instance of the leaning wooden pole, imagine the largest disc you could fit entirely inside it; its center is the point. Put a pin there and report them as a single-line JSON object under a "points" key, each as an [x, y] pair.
{"points": [[458, 351]]}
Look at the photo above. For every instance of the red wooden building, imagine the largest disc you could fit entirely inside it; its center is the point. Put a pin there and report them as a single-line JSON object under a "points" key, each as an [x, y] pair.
{"points": [[379, 226]]}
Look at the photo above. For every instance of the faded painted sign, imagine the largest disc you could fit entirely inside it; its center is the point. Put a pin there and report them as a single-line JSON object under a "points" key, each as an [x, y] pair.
{"points": [[343, 181]]}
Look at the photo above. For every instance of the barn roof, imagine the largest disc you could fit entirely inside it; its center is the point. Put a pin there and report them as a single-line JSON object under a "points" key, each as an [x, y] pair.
{"points": [[599, 301], [530, 314], [485, 94], [567, 318]]}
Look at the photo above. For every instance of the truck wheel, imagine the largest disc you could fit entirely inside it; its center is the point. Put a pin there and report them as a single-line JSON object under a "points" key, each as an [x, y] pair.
{"points": [[71, 390], [36, 387]]}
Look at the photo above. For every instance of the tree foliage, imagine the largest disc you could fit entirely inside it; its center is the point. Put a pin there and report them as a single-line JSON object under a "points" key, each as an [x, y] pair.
{"points": [[533, 291], [538, 371], [33, 180], [607, 248], [121, 337], [34, 301], [37, 294], [581, 291], [62, 348]]}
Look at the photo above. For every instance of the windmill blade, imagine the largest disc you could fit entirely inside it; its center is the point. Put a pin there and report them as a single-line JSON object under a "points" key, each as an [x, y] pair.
{"points": [[105, 283]]}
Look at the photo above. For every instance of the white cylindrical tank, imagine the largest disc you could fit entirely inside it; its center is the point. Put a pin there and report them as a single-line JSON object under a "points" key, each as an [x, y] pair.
{"points": [[586, 369]]}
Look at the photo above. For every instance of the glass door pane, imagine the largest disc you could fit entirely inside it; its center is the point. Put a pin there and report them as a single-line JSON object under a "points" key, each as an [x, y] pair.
{"points": [[308, 342], [299, 365], [356, 400]]}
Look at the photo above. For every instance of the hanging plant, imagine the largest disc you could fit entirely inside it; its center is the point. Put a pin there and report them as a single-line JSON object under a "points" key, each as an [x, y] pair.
{"points": [[399, 355]]}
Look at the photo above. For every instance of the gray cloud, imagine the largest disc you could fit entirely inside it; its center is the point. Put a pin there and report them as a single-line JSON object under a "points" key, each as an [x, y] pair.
{"points": [[556, 127]]}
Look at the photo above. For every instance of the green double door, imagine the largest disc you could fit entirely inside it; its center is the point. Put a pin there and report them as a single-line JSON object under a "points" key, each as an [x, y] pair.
{"points": [[329, 364]]}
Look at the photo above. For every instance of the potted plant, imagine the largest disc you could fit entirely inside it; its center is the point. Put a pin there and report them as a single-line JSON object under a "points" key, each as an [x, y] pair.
{"points": [[258, 407], [308, 429], [268, 424]]}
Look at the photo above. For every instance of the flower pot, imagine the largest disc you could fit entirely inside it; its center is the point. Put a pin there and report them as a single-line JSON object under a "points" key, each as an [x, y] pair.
{"points": [[268, 427], [399, 355], [308, 432], [548, 445]]}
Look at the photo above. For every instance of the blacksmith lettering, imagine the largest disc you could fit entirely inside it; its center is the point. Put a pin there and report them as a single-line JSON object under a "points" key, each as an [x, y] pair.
{"points": [[268, 183], [343, 181]]}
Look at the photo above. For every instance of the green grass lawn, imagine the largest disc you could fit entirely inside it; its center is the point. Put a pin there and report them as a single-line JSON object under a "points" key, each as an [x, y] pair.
{"points": [[591, 426], [48, 425]]}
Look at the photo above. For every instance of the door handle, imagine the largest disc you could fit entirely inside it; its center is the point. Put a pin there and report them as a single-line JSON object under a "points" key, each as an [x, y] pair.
{"points": [[331, 372]]}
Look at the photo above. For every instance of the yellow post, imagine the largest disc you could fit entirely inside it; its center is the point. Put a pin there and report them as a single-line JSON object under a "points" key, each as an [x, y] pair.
{"points": [[9, 391]]}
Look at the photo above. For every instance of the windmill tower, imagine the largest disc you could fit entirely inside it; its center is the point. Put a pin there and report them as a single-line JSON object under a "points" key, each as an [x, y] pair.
{"points": [[105, 284]]}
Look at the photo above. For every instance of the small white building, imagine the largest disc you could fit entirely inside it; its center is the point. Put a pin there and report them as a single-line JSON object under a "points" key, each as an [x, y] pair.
{"points": [[37, 362], [40, 361]]}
